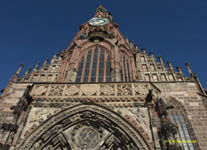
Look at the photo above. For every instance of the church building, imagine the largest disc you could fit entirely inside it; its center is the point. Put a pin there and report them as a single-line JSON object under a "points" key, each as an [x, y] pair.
{"points": [[103, 93]]}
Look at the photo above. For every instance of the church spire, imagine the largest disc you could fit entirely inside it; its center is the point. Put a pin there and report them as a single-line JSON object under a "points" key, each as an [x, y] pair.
{"points": [[103, 13]]}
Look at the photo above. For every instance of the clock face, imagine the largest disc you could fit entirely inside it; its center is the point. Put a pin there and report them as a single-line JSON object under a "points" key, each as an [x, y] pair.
{"points": [[98, 21]]}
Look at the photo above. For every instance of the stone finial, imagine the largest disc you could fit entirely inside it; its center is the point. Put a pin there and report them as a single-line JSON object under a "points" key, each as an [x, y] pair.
{"points": [[179, 69], [19, 69], [189, 68], [45, 62], [160, 59], [127, 40], [136, 47], [28, 71], [37, 66], [151, 53], [131, 44], [143, 50], [170, 65]]}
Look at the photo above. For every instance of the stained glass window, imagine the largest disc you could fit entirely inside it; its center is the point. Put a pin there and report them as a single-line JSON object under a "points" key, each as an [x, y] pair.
{"points": [[96, 63]]}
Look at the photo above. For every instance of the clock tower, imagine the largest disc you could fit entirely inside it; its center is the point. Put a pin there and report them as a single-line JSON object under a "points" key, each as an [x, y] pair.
{"points": [[103, 93]]}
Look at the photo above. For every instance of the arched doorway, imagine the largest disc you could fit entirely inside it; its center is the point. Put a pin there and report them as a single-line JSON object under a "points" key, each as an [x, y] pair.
{"points": [[85, 127]]}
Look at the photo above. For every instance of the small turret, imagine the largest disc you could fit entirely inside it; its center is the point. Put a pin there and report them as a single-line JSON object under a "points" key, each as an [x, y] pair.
{"points": [[144, 50], [160, 59], [127, 40], [195, 78], [151, 54], [27, 72], [131, 44], [170, 65], [26, 75], [15, 76], [45, 62], [179, 69], [19, 69], [37, 66], [137, 48], [102, 12], [189, 68]]}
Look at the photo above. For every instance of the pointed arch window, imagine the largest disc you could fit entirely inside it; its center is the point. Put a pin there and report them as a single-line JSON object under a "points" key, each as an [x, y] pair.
{"points": [[79, 72], [183, 136], [94, 67], [126, 69]]}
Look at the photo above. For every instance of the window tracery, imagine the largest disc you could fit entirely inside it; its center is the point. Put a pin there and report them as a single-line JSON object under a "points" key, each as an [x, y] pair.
{"points": [[125, 69], [183, 137], [94, 66], [183, 134]]}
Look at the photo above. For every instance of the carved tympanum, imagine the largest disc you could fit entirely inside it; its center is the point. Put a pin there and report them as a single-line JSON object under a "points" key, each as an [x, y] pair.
{"points": [[89, 126]]}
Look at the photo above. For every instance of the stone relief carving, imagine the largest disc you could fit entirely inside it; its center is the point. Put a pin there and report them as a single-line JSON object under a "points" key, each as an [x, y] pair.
{"points": [[86, 136], [89, 89], [72, 90], [113, 89], [56, 90], [141, 89], [39, 114], [36, 117], [141, 115], [107, 90], [84, 127], [124, 90], [40, 90]]}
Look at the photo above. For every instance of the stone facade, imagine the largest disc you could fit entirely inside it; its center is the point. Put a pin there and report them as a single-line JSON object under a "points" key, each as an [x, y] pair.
{"points": [[101, 93]]}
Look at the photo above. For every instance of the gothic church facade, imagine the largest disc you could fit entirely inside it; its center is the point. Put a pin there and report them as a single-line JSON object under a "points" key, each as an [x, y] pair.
{"points": [[103, 93]]}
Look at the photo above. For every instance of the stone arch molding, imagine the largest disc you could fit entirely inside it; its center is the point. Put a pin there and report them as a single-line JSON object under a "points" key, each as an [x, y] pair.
{"points": [[87, 127]]}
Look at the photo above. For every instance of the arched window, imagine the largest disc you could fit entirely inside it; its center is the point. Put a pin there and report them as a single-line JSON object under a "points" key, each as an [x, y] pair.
{"points": [[178, 118], [125, 69], [79, 72], [94, 66]]}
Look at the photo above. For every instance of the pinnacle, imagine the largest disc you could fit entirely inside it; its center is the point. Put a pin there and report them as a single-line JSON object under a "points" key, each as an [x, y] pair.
{"points": [[100, 6]]}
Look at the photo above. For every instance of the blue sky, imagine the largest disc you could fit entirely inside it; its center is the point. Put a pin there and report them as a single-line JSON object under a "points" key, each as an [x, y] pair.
{"points": [[31, 30]]}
